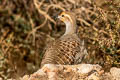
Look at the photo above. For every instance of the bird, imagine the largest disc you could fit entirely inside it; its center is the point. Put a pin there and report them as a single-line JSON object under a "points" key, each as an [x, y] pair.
{"points": [[69, 49]]}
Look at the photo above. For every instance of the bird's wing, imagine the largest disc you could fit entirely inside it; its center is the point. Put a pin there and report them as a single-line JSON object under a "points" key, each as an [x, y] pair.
{"points": [[65, 51]]}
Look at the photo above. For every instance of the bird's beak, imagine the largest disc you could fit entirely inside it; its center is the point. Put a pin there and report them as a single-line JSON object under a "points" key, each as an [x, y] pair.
{"points": [[59, 17]]}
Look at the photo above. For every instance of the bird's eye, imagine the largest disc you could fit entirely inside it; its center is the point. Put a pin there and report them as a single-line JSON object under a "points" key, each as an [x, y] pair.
{"points": [[62, 15]]}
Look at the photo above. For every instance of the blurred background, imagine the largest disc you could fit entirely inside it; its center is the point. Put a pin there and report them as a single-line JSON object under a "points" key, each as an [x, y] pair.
{"points": [[27, 26]]}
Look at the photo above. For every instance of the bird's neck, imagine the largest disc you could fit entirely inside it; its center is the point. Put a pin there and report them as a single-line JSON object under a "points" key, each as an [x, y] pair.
{"points": [[70, 28]]}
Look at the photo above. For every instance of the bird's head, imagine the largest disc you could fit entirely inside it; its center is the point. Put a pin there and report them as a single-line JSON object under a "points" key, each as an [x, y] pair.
{"points": [[70, 21], [67, 17]]}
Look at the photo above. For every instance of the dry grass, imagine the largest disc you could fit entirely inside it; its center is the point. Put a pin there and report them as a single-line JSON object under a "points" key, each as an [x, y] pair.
{"points": [[28, 25]]}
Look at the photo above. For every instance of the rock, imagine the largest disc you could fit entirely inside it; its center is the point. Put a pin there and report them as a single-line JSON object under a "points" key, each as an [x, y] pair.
{"points": [[115, 72], [73, 72]]}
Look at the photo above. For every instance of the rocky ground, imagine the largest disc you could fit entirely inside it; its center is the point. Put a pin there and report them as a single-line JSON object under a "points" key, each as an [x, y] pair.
{"points": [[74, 72]]}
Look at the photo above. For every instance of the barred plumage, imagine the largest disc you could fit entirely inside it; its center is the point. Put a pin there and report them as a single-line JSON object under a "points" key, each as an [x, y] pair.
{"points": [[68, 49]]}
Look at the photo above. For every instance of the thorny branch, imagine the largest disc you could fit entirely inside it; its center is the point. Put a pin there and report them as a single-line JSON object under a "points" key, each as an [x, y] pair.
{"points": [[44, 13]]}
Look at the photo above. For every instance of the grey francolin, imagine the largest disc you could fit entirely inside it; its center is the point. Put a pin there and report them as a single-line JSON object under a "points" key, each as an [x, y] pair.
{"points": [[68, 49]]}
